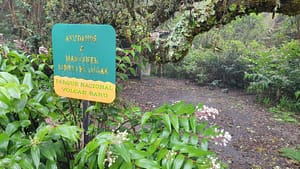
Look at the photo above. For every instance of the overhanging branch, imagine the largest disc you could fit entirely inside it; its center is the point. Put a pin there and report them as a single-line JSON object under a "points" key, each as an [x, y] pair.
{"points": [[206, 14]]}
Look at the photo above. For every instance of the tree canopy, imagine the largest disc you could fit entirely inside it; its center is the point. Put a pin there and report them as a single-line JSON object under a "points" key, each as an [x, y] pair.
{"points": [[137, 21]]}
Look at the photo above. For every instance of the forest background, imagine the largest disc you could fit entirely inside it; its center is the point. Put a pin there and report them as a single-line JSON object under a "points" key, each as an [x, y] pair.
{"points": [[257, 52]]}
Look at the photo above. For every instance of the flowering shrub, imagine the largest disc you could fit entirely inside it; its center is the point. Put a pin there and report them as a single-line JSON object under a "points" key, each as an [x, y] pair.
{"points": [[38, 129], [171, 136]]}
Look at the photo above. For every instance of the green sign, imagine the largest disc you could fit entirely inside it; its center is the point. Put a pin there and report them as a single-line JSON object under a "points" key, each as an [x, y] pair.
{"points": [[84, 57]]}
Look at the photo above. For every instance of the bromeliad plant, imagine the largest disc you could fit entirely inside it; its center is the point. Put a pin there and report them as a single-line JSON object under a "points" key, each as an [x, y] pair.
{"points": [[171, 136]]}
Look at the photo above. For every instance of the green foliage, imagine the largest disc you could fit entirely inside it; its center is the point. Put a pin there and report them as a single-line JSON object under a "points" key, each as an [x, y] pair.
{"points": [[38, 129], [31, 136], [292, 153], [167, 137], [275, 73], [204, 66], [130, 60], [218, 54]]}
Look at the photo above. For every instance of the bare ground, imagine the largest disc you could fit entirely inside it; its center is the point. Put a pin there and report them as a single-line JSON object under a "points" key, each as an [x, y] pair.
{"points": [[257, 136]]}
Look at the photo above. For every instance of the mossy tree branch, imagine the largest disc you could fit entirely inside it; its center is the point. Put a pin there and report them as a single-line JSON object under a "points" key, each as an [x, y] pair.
{"points": [[206, 14]]}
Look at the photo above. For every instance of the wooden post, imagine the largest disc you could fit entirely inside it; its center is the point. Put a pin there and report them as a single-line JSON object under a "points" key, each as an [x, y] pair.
{"points": [[85, 121]]}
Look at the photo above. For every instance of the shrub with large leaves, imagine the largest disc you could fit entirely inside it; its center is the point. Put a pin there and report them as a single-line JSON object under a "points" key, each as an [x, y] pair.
{"points": [[170, 136]]}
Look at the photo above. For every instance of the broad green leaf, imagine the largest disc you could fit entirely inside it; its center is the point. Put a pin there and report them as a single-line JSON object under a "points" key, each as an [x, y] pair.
{"points": [[161, 109], [91, 148], [174, 121], [35, 154], [122, 150], [161, 154], [104, 138], [15, 165], [21, 103], [26, 163], [146, 163], [3, 107], [184, 122], [178, 161], [189, 109], [178, 107], [13, 90], [169, 163], [47, 151], [193, 123], [125, 166], [174, 140], [80, 159], [41, 74], [200, 106], [9, 78], [194, 151], [167, 121], [101, 155], [51, 164], [5, 161], [69, 132], [201, 127], [153, 136], [117, 164], [127, 59], [23, 149], [188, 164], [209, 131], [291, 153], [165, 133], [153, 147], [138, 154], [4, 139], [42, 132], [4, 95], [28, 81], [185, 137], [25, 123], [145, 118], [39, 96], [92, 161], [91, 108], [132, 71], [204, 144], [194, 139], [12, 127]]}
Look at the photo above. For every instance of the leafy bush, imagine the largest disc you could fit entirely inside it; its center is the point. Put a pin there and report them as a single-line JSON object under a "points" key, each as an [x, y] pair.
{"points": [[205, 66], [170, 136], [38, 129], [275, 73]]}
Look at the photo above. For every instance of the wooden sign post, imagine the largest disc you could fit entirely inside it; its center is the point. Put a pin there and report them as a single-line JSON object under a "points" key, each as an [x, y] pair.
{"points": [[84, 59]]}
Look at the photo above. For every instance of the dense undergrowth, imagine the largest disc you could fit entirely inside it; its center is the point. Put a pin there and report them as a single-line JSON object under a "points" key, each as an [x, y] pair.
{"points": [[39, 129], [251, 53]]}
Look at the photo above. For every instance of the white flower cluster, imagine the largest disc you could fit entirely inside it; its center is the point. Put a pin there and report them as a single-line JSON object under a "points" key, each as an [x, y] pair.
{"points": [[206, 112], [222, 138], [171, 154], [120, 137], [110, 158], [214, 162], [43, 50]]}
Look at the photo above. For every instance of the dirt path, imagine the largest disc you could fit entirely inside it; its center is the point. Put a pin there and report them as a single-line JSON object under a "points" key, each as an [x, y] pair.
{"points": [[257, 136]]}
